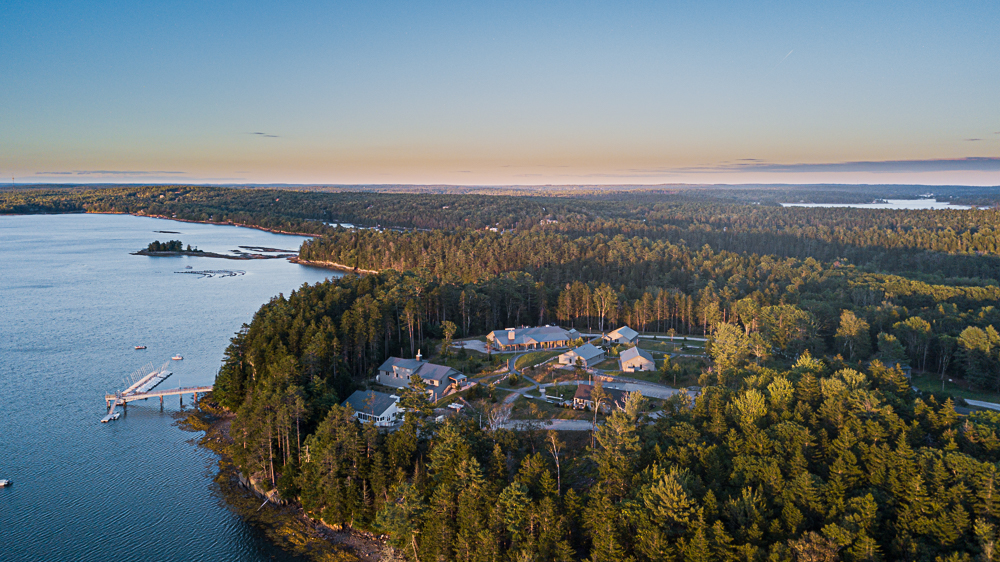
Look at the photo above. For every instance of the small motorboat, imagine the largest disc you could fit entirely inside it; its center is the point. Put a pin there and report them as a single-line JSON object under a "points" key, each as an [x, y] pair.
{"points": [[140, 347], [177, 358], [188, 267], [116, 416], [4, 483]]}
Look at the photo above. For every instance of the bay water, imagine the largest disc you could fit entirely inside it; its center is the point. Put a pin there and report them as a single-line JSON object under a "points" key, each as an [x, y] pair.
{"points": [[73, 304]]}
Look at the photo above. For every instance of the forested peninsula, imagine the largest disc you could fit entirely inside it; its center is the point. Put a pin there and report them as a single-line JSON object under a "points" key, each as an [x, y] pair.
{"points": [[803, 438]]}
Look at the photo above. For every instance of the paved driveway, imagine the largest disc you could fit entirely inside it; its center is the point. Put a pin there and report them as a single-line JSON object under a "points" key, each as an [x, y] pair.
{"points": [[474, 345], [558, 425]]}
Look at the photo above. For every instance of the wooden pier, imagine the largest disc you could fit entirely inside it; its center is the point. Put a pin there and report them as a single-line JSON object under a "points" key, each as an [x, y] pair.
{"points": [[143, 382], [113, 400]]}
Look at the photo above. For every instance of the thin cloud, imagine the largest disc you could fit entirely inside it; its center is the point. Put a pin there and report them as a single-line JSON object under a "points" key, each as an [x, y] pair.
{"points": [[973, 140], [978, 164], [106, 173], [264, 135]]}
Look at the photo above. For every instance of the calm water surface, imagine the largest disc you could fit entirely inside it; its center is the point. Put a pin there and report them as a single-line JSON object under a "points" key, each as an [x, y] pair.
{"points": [[73, 303], [913, 204]]}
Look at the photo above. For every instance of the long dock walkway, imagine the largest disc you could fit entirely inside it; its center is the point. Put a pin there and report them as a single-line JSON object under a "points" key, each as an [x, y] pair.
{"points": [[144, 380], [125, 398]]}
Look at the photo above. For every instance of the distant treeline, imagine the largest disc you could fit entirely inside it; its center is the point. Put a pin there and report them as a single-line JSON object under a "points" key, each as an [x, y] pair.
{"points": [[938, 244]]}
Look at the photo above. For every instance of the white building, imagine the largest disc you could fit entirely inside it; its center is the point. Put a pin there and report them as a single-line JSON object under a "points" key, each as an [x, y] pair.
{"points": [[378, 407], [623, 335], [541, 337], [634, 359], [588, 354]]}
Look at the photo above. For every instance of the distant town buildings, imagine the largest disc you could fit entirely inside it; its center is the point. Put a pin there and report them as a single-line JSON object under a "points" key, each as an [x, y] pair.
{"points": [[524, 338]]}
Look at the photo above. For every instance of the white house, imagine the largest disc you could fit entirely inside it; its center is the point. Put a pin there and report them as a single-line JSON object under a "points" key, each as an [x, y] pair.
{"points": [[623, 335], [396, 372], [634, 359], [587, 353], [378, 407]]}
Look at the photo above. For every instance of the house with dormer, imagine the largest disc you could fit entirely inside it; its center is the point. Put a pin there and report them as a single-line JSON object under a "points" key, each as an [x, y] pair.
{"points": [[396, 372]]}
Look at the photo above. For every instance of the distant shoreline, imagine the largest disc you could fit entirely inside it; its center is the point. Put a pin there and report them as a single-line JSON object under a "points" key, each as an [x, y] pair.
{"points": [[331, 265], [241, 256]]}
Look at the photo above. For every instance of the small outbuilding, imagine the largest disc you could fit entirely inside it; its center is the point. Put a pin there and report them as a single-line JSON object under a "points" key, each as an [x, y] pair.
{"points": [[378, 407], [634, 359], [588, 354], [623, 335]]}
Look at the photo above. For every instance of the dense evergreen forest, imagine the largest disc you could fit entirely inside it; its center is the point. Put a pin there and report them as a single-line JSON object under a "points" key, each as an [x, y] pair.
{"points": [[806, 441]]}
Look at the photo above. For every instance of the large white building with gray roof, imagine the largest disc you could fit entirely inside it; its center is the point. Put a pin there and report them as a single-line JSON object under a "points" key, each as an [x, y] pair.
{"points": [[524, 338]]}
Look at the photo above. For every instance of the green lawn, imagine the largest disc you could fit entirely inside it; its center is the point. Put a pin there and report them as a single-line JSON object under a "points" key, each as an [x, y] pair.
{"points": [[535, 357], [609, 364], [648, 376], [932, 383], [565, 392], [677, 347]]}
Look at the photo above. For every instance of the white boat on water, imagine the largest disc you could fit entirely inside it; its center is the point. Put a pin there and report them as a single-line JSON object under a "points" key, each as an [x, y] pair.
{"points": [[4, 483], [177, 358], [140, 347], [116, 416]]}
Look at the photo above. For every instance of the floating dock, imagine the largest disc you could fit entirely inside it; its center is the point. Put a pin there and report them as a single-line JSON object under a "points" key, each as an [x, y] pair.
{"points": [[143, 381]]}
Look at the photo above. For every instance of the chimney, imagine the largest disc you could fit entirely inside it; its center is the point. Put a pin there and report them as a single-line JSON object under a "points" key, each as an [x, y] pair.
{"points": [[418, 355], [510, 334]]}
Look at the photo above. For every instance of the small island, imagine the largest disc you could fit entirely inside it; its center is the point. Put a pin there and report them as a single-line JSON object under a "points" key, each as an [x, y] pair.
{"points": [[177, 248]]}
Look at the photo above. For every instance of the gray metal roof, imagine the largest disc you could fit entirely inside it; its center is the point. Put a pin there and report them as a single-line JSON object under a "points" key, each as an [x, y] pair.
{"points": [[587, 351], [423, 368], [633, 352], [370, 402], [540, 334], [624, 332]]}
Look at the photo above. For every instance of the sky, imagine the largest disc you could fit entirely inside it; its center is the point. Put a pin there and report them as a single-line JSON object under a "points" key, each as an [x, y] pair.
{"points": [[500, 93]]}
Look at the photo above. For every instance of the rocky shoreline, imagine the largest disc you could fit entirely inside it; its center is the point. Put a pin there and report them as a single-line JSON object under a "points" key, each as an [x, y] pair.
{"points": [[331, 265], [283, 522]]}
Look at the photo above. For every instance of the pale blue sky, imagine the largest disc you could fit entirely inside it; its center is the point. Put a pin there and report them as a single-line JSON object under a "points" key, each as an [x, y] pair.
{"points": [[500, 93]]}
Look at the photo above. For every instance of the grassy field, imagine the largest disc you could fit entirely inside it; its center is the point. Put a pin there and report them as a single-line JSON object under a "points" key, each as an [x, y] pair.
{"points": [[565, 392], [535, 357], [525, 408], [677, 347], [932, 383], [559, 375], [609, 364]]}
